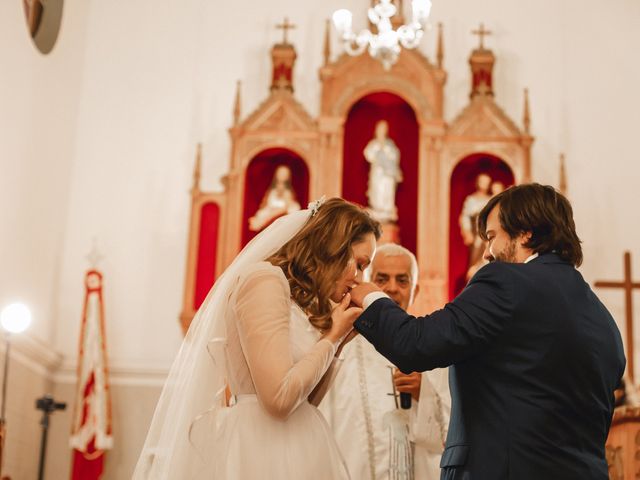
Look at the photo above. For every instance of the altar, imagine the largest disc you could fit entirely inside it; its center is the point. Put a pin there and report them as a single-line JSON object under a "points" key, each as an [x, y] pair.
{"points": [[439, 162]]}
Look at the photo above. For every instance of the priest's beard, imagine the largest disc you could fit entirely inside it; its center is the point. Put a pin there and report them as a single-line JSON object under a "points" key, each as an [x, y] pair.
{"points": [[508, 253]]}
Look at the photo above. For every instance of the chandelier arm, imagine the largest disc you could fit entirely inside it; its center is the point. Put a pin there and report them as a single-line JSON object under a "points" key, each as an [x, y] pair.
{"points": [[354, 49], [410, 44]]}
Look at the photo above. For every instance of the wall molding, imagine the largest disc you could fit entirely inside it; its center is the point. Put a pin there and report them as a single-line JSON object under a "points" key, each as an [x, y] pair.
{"points": [[44, 360], [34, 353], [141, 375]]}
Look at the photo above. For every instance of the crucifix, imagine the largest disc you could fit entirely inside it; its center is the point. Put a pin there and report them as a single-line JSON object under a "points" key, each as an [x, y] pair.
{"points": [[481, 32], [285, 27], [628, 285]]}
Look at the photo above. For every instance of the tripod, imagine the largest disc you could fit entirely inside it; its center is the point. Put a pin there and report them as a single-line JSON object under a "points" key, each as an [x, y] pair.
{"points": [[48, 405]]}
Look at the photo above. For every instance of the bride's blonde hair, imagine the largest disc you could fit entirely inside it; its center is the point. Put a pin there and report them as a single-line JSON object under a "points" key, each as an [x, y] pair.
{"points": [[316, 257]]}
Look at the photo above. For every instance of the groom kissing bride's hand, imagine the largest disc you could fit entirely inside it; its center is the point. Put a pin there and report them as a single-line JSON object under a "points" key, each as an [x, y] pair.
{"points": [[534, 356], [360, 292]]}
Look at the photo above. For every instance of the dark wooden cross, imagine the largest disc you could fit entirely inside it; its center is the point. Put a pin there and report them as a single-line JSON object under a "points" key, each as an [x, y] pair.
{"points": [[286, 26], [628, 285], [481, 32]]}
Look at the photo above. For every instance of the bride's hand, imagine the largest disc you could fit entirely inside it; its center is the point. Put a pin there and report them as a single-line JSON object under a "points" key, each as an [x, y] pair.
{"points": [[342, 318]]}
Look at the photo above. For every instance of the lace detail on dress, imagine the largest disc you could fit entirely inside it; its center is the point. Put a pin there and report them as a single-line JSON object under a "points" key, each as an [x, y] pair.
{"points": [[260, 346]]}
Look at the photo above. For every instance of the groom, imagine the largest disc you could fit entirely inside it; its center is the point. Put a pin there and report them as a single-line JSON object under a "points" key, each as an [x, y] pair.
{"points": [[534, 355]]}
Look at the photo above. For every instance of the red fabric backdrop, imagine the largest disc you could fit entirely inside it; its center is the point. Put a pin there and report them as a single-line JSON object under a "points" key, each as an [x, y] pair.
{"points": [[258, 179], [207, 248], [403, 130], [463, 182]]}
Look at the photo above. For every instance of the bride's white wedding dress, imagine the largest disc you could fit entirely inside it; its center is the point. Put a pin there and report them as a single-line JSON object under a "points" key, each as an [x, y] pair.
{"points": [[249, 336], [278, 367]]}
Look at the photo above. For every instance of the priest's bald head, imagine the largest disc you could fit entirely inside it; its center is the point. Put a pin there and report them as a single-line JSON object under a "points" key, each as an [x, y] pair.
{"points": [[395, 270]]}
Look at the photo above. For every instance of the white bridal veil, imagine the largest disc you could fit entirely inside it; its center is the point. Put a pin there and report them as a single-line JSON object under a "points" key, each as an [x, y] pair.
{"points": [[183, 431]]}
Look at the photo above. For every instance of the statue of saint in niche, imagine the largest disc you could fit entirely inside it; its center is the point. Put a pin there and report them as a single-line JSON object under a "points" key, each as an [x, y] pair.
{"points": [[279, 199], [473, 204], [384, 174]]}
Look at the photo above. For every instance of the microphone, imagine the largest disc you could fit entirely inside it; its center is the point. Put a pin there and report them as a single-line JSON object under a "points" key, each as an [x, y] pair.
{"points": [[405, 400]]}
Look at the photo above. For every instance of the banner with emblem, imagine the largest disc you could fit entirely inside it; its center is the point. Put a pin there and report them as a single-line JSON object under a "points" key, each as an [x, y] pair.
{"points": [[91, 432]]}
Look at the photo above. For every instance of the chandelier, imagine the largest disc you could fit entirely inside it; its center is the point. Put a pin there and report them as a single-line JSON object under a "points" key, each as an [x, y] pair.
{"points": [[385, 45]]}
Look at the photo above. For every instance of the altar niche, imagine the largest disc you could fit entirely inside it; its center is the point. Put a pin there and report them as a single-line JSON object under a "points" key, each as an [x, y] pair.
{"points": [[359, 129], [326, 155], [258, 181], [207, 251], [473, 173]]}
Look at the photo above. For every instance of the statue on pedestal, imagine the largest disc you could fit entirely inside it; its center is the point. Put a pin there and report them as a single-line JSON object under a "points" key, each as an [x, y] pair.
{"points": [[384, 174], [279, 199], [473, 204]]}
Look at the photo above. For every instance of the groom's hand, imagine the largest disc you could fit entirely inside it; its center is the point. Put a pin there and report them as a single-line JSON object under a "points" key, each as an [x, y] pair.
{"points": [[361, 291]]}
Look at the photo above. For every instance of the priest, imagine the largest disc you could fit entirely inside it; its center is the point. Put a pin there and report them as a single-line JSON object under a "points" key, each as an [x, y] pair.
{"points": [[362, 406]]}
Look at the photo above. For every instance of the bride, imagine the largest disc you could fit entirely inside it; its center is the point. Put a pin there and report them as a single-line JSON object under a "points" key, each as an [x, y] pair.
{"points": [[270, 332]]}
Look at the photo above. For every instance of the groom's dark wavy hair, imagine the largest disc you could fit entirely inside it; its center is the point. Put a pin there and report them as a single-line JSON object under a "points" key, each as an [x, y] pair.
{"points": [[317, 256], [541, 210]]}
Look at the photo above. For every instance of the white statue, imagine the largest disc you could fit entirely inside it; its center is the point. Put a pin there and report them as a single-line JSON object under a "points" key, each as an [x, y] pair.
{"points": [[471, 208], [278, 200], [384, 174]]}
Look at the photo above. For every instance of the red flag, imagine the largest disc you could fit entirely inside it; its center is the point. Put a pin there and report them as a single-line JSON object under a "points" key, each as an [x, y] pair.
{"points": [[91, 430]]}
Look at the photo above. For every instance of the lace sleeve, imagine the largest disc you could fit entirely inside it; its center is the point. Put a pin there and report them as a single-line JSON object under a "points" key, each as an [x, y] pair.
{"points": [[262, 311]]}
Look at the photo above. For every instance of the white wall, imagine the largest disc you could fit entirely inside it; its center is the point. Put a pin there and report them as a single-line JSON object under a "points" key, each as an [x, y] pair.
{"points": [[39, 98], [160, 77], [38, 109], [576, 59], [97, 139]]}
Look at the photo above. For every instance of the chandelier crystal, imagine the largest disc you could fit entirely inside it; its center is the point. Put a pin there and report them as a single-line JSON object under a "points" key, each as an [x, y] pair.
{"points": [[385, 45]]}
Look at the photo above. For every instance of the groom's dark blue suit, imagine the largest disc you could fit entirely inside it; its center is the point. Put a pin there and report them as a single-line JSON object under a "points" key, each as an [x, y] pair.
{"points": [[534, 358]]}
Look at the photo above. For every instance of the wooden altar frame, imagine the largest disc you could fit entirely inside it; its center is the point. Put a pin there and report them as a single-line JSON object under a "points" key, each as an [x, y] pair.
{"points": [[421, 84], [198, 200], [481, 127], [623, 444], [281, 122]]}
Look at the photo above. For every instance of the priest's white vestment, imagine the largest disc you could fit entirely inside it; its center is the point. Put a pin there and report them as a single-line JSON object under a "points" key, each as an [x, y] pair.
{"points": [[357, 401]]}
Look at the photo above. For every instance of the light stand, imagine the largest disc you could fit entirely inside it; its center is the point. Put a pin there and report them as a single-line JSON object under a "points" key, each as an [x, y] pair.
{"points": [[4, 396], [48, 405], [15, 318]]}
